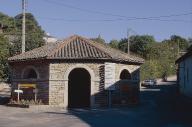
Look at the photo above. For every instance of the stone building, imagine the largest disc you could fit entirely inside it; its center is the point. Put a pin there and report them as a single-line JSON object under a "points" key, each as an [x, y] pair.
{"points": [[49, 39], [75, 72]]}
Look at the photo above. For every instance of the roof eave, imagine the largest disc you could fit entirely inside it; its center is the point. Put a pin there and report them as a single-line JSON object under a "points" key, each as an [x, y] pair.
{"points": [[28, 59], [104, 59], [184, 57]]}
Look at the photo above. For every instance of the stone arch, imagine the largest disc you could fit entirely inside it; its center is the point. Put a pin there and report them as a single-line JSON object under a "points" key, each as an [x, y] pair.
{"points": [[79, 87], [124, 68], [125, 74], [92, 77], [30, 72]]}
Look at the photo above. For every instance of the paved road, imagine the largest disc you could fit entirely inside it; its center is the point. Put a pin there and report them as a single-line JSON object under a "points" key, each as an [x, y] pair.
{"points": [[160, 106]]}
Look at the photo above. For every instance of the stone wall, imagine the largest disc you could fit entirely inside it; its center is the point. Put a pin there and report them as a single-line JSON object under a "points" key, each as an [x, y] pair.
{"points": [[56, 92], [17, 69], [127, 91], [58, 81], [42, 82], [52, 81], [133, 69]]}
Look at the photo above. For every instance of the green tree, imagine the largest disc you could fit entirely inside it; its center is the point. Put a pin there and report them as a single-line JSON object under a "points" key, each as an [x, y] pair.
{"points": [[7, 21], [4, 53], [182, 43], [99, 39], [34, 34], [141, 44], [10, 40], [123, 45], [114, 44]]}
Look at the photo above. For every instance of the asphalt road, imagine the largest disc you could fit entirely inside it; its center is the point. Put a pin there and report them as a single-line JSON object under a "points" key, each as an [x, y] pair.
{"points": [[161, 106]]}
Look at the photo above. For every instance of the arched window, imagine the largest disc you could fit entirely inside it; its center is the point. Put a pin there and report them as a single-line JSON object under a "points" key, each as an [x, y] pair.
{"points": [[125, 75], [30, 73]]}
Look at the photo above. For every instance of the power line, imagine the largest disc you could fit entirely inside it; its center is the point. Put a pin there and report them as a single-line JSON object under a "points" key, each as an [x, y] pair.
{"points": [[78, 20], [82, 9], [111, 20], [116, 15]]}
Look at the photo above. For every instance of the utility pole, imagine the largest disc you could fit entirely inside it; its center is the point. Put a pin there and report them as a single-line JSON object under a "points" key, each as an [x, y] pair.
{"points": [[178, 49], [23, 25], [128, 45]]}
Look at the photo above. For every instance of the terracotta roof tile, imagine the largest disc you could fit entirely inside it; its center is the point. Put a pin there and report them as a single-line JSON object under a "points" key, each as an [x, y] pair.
{"points": [[77, 47]]}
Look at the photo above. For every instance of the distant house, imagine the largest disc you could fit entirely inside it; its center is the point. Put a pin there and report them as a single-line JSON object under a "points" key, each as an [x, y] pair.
{"points": [[49, 39], [76, 72], [185, 73]]}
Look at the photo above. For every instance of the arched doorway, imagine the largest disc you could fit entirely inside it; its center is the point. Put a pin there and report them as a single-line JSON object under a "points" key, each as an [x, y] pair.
{"points": [[79, 88], [30, 74], [125, 75]]}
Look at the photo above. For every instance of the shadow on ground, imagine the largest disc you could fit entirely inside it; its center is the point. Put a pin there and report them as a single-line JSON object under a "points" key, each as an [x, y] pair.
{"points": [[4, 100], [161, 106], [4, 96]]}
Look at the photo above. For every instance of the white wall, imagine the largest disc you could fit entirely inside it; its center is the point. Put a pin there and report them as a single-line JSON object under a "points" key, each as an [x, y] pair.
{"points": [[185, 76]]}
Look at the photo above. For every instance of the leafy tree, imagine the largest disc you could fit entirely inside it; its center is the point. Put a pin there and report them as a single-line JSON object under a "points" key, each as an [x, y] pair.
{"points": [[7, 21], [138, 44], [141, 44], [10, 40], [99, 39], [123, 45], [150, 69], [4, 53], [114, 44], [34, 34], [179, 41]]}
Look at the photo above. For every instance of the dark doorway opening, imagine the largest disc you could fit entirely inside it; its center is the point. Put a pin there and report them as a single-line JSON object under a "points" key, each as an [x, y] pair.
{"points": [[30, 74], [125, 75], [79, 88]]}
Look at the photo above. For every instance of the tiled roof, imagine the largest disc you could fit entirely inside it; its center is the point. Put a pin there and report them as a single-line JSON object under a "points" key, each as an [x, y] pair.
{"points": [[77, 47]]}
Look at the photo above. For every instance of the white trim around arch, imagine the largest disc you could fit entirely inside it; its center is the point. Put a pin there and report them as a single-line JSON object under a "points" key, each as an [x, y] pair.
{"points": [[92, 75], [124, 68]]}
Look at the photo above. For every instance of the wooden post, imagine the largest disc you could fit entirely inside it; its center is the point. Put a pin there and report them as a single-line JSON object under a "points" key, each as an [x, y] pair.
{"points": [[18, 98], [35, 91], [35, 95]]}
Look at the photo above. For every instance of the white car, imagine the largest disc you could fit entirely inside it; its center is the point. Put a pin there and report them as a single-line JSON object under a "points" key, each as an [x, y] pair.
{"points": [[149, 82]]}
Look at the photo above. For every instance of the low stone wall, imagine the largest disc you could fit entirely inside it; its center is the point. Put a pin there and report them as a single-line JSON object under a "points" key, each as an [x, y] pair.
{"points": [[43, 90], [4, 85]]}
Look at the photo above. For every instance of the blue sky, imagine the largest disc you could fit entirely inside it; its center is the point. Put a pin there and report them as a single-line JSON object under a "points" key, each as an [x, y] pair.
{"points": [[90, 18]]}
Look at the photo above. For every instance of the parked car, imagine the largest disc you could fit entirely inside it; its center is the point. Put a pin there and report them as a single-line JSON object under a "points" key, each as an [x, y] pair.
{"points": [[149, 82]]}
